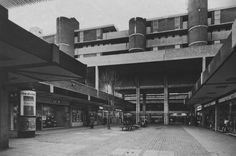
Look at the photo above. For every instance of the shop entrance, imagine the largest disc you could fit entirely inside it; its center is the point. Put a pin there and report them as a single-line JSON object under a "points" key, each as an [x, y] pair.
{"points": [[52, 116]]}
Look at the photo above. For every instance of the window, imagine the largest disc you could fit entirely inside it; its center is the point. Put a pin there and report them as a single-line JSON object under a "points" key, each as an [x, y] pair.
{"points": [[155, 48], [155, 26], [81, 36], [217, 17], [99, 34], [177, 22]]}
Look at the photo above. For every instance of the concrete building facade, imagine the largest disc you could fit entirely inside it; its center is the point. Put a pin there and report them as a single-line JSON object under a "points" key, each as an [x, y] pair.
{"points": [[159, 59]]}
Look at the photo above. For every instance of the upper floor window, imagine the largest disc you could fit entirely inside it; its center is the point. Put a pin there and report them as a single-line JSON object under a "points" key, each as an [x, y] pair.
{"points": [[81, 36]]}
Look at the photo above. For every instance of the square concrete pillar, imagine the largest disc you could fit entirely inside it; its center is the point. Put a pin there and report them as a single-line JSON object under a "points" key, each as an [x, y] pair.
{"points": [[144, 104], [166, 102], [97, 77], [137, 102], [234, 34], [4, 110], [203, 116], [203, 64], [216, 115]]}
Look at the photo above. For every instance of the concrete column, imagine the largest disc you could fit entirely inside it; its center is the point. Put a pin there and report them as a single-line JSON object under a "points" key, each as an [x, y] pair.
{"points": [[4, 110], [166, 102], [51, 88], [203, 116], [144, 104], [230, 111], [97, 77], [65, 34], [203, 64], [137, 101], [216, 115]]}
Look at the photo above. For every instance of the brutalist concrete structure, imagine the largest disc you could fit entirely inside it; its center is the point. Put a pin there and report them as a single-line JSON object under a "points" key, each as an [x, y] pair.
{"points": [[64, 35], [137, 34], [197, 22], [158, 60]]}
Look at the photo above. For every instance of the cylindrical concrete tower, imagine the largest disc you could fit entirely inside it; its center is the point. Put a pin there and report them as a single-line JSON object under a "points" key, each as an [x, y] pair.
{"points": [[197, 22], [65, 34], [137, 34]]}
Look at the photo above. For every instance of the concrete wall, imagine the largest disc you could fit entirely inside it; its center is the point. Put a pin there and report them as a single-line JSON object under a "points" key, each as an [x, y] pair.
{"points": [[137, 34], [65, 34], [102, 48], [197, 22], [171, 40], [112, 35], [49, 38], [3, 12]]}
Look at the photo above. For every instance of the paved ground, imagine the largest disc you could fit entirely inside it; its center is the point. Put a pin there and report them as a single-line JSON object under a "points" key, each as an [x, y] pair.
{"points": [[150, 141]]}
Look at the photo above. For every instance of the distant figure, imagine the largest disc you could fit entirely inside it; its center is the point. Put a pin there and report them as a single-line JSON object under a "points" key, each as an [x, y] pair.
{"points": [[91, 121], [104, 121]]}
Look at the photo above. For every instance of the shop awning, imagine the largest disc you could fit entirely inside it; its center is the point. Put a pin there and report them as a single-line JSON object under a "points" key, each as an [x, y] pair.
{"points": [[28, 58], [219, 79]]}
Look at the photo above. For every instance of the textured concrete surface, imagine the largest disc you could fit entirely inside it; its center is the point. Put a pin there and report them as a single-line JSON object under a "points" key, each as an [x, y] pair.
{"points": [[150, 141]]}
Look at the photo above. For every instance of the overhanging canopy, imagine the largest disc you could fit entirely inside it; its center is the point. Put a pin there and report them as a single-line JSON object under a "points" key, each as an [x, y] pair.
{"points": [[219, 79], [28, 58], [15, 3]]}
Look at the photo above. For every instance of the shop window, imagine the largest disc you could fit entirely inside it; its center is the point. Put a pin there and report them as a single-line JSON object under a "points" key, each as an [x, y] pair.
{"points": [[76, 115], [54, 116]]}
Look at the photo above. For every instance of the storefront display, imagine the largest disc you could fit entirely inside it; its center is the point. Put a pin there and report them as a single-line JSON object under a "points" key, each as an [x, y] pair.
{"points": [[53, 116], [76, 117]]}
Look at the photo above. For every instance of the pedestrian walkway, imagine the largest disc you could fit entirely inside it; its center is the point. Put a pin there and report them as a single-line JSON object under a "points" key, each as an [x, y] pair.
{"points": [[150, 141]]}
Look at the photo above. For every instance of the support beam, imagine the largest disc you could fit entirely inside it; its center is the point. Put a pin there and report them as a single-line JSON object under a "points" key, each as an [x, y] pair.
{"points": [[144, 104], [203, 64], [203, 68], [4, 139], [203, 116], [97, 79], [166, 102], [230, 111], [216, 115], [137, 101]]}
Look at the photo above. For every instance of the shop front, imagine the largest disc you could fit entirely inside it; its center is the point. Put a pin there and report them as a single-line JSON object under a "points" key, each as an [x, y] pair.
{"points": [[52, 116], [225, 117], [52, 112], [78, 117], [178, 118]]}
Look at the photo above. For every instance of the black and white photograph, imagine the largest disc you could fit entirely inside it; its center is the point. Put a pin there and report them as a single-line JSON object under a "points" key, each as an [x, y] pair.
{"points": [[117, 78]]}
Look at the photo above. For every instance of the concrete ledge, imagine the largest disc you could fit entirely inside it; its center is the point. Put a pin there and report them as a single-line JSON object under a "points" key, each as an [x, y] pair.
{"points": [[153, 56]]}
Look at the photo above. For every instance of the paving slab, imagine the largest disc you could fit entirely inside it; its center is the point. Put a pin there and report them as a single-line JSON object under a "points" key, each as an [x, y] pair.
{"points": [[149, 141]]}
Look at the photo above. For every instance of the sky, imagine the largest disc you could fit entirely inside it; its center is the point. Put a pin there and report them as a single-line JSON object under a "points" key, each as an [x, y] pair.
{"points": [[91, 13]]}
